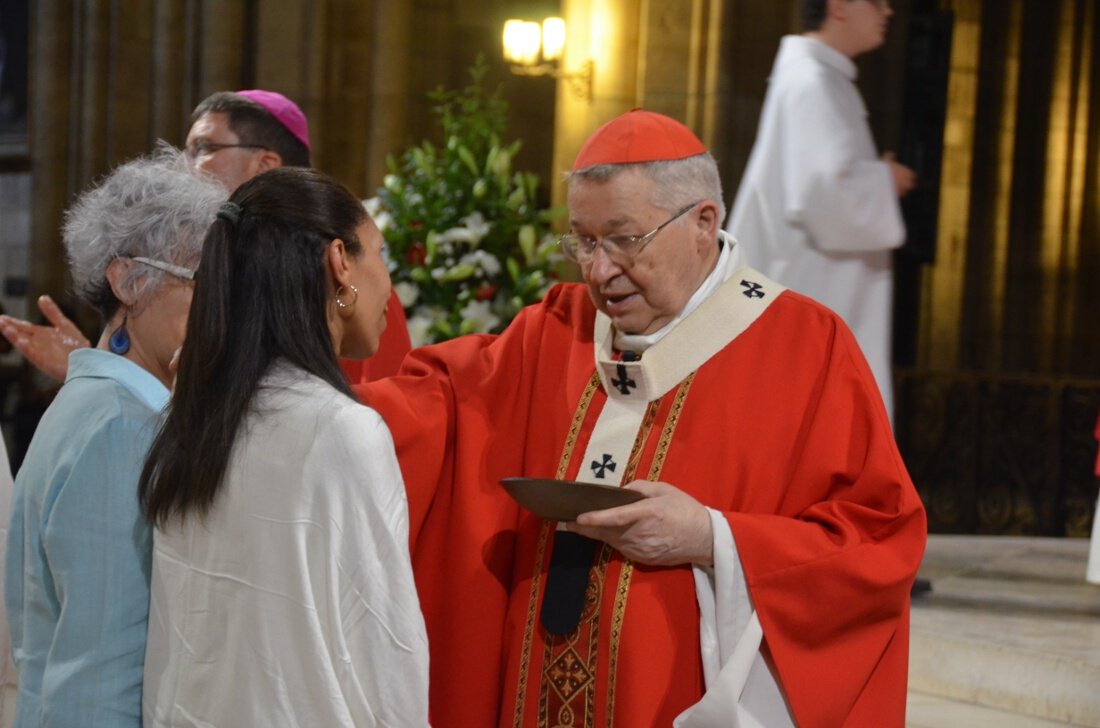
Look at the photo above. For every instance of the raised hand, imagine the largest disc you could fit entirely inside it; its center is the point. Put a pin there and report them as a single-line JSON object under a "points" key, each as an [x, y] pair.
{"points": [[46, 347]]}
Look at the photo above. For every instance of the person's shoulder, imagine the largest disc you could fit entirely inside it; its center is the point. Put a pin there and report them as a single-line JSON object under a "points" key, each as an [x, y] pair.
{"points": [[569, 303], [98, 379], [355, 445], [349, 415], [805, 78], [801, 69], [565, 309], [104, 405], [320, 423], [805, 311], [344, 421], [94, 433], [813, 320], [562, 296]]}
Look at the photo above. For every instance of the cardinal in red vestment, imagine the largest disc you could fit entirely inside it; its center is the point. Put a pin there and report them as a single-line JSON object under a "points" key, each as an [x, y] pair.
{"points": [[764, 577]]}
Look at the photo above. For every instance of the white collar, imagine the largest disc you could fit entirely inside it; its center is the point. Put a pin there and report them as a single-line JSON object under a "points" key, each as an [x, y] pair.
{"points": [[741, 295], [804, 46]]}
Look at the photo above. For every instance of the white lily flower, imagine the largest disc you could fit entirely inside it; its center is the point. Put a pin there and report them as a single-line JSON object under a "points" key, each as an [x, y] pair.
{"points": [[480, 314], [418, 326], [476, 224], [407, 293], [377, 211], [459, 235], [482, 260], [383, 221], [373, 205]]}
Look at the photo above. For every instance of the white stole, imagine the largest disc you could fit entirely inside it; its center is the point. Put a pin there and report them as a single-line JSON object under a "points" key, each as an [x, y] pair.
{"points": [[742, 691]]}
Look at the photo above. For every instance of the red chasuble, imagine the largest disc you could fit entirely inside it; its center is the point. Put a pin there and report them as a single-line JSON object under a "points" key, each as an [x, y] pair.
{"points": [[781, 429]]}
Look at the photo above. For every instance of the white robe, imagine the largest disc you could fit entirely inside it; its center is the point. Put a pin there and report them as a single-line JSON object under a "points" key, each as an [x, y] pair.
{"points": [[817, 210], [294, 603], [1092, 570]]}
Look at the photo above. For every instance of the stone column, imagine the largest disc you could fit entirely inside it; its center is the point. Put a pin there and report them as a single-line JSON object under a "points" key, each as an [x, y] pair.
{"points": [[388, 118], [50, 103]]}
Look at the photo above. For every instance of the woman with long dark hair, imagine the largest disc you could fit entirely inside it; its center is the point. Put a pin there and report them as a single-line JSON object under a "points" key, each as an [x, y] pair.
{"points": [[282, 587]]}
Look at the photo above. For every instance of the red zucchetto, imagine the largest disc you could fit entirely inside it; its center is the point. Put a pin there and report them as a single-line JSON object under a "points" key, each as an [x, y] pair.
{"points": [[638, 136]]}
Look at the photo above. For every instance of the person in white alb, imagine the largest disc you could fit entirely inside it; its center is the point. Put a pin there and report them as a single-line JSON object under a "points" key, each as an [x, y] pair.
{"points": [[817, 209]]}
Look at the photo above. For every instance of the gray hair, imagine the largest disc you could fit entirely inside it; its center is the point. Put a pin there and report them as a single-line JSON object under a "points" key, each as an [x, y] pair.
{"points": [[153, 207], [677, 183]]}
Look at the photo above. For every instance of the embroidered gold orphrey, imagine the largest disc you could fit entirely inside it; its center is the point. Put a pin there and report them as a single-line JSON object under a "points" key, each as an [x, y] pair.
{"points": [[567, 687]]}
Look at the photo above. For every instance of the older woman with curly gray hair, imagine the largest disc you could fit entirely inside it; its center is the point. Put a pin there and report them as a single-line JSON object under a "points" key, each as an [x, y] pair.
{"points": [[78, 552]]}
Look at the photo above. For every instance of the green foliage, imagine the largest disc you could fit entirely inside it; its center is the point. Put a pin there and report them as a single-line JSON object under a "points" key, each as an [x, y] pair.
{"points": [[468, 244]]}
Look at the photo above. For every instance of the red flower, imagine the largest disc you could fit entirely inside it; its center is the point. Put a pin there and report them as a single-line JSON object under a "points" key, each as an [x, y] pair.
{"points": [[416, 254], [486, 292]]}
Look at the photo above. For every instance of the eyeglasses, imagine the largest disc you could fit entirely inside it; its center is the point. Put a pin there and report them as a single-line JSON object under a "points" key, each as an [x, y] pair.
{"points": [[201, 149], [582, 248], [177, 270]]}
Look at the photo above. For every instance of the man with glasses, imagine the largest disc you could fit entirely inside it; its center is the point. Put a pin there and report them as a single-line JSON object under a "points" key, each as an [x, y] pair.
{"points": [[763, 577], [818, 207], [234, 136], [237, 135]]}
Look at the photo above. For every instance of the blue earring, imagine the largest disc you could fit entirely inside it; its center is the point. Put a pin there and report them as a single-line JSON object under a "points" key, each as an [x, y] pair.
{"points": [[120, 339]]}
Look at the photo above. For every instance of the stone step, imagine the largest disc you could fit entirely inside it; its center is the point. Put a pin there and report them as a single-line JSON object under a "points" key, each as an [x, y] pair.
{"points": [[1011, 596], [927, 711], [1047, 668], [1010, 625]]}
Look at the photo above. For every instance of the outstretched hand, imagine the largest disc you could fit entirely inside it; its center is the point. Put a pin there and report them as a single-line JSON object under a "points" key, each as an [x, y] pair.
{"points": [[666, 528], [46, 347]]}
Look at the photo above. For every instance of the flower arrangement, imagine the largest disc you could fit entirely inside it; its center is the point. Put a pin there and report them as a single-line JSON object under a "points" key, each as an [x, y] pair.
{"points": [[468, 245]]}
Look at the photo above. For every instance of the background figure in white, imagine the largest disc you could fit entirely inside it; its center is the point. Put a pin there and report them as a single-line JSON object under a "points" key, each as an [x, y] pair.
{"points": [[817, 209], [9, 682]]}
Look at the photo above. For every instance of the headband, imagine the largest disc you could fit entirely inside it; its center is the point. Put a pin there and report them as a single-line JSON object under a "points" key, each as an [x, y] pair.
{"points": [[231, 212]]}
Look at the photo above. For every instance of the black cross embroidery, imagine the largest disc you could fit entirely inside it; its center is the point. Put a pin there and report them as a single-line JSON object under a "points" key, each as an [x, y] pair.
{"points": [[624, 384], [752, 290], [600, 468]]}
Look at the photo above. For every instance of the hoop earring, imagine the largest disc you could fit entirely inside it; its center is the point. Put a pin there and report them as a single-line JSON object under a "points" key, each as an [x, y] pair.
{"points": [[119, 343], [354, 297]]}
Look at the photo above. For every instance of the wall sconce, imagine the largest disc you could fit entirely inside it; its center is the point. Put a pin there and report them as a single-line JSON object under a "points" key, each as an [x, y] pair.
{"points": [[536, 50]]}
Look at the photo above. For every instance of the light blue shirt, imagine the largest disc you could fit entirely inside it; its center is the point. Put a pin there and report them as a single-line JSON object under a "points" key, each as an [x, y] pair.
{"points": [[79, 552]]}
